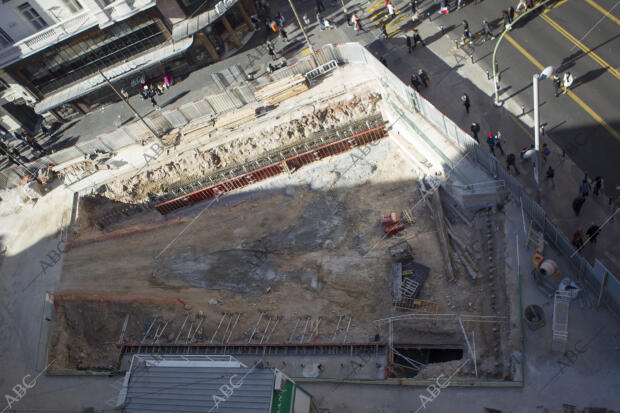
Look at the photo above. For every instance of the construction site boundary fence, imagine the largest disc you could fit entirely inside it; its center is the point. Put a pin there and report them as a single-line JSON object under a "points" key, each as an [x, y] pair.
{"points": [[592, 277]]}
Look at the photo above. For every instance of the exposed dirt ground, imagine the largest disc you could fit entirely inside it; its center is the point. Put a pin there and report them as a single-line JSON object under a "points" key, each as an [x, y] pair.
{"points": [[305, 247]]}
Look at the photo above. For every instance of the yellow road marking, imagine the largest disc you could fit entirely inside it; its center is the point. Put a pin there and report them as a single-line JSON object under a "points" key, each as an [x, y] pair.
{"points": [[559, 3], [397, 20], [377, 14], [305, 52], [580, 45], [375, 6], [520, 125], [605, 12], [580, 102]]}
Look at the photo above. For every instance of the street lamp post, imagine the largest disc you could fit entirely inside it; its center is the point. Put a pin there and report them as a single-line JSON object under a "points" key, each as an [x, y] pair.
{"points": [[536, 133], [301, 26], [128, 104], [499, 40]]}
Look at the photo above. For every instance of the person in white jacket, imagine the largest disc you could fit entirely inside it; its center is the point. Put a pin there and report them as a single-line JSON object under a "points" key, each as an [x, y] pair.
{"points": [[567, 81]]}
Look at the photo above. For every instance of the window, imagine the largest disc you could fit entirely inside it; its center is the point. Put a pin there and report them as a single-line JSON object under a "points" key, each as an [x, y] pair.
{"points": [[5, 39], [32, 16], [74, 6]]}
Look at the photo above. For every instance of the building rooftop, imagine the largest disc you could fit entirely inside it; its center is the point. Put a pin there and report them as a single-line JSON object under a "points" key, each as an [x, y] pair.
{"points": [[196, 385]]}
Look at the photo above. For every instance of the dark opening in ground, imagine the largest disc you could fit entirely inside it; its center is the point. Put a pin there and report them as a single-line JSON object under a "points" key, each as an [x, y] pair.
{"points": [[409, 361]]}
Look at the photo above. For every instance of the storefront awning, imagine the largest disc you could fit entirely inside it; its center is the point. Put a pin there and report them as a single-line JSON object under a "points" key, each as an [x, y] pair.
{"points": [[119, 71], [192, 25]]}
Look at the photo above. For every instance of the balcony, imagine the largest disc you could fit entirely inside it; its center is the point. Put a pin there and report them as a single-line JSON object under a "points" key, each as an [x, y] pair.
{"points": [[47, 37], [115, 12]]}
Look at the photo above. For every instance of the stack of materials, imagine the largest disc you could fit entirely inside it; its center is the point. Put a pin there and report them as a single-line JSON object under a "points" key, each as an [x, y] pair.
{"points": [[282, 89], [235, 118]]}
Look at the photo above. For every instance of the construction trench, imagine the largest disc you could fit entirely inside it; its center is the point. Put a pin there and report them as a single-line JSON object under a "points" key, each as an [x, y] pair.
{"points": [[317, 247]]}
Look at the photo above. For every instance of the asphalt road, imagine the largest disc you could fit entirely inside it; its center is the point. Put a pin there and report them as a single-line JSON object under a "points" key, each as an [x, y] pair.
{"points": [[576, 36]]}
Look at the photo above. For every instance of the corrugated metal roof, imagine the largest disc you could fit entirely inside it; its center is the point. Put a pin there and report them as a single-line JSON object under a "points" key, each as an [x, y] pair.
{"points": [[197, 389]]}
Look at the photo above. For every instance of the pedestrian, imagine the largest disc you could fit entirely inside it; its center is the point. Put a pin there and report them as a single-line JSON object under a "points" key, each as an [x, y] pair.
{"points": [[415, 82], [384, 31], [274, 26], [577, 239], [280, 20], [319, 6], [390, 8], [585, 188], [358, 27], [475, 128], [487, 31], [511, 14], [408, 43], [557, 84], [550, 174], [424, 77], [319, 19], [578, 204], [271, 50], [412, 4], [417, 38], [168, 79], [383, 61], [499, 138], [529, 3], [154, 102], [598, 185], [528, 153], [459, 4], [465, 100], [465, 25], [593, 232], [506, 19], [545, 152], [567, 81], [491, 143], [510, 161], [284, 34]]}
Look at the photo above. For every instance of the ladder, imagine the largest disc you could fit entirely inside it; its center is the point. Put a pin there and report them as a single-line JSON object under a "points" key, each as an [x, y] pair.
{"points": [[561, 307], [536, 238], [408, 216], [408, 288], [419, 306]]}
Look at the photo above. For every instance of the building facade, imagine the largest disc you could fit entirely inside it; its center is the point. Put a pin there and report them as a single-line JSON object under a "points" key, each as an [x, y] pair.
{"points": [[53, 53]]}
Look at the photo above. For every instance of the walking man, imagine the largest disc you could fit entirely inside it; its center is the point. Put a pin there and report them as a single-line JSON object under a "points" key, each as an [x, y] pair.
{"points": [[415, 82], [319, 19], [550, 174], [578, 204], [557, 84], [498, 141], [491, 143], [593, 232], [598, 185], [408, 43], [465, 101], [487, 31], [567, 81], [510, 161], [584, 188], [545, 152], [384, 31], [424, 78], [417, 38], [271, 50], [475, 128]]}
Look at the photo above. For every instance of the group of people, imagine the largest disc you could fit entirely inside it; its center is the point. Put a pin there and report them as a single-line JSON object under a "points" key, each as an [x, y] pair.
{"points": [[420, 79], [148, 91], [563, 83], [587, 186]]}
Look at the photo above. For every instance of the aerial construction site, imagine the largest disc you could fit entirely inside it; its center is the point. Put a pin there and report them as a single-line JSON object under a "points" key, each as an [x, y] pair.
{"points": [[337, 228], [315, 237]]}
